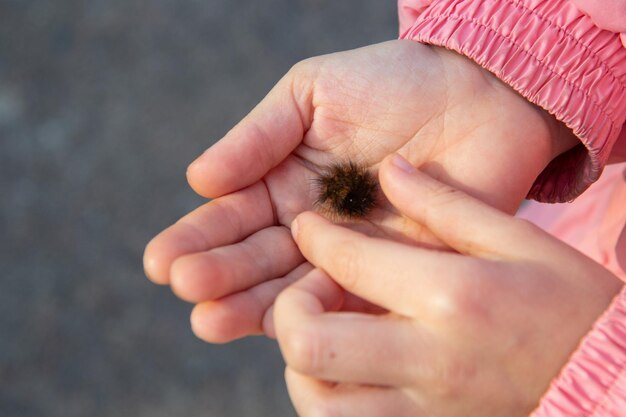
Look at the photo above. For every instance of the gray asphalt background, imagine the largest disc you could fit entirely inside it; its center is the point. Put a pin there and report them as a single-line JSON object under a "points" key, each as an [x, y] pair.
{"points": [[102, 105]]}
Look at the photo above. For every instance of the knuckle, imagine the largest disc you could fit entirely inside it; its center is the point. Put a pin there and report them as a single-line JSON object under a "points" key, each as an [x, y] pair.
{"points": [[444, 305], [349, 262], [451, 378], [265, 152], [302, 76], [303, 351], [524, 228], [442, 195], [211, 328], [457, 303], [304, 66]]}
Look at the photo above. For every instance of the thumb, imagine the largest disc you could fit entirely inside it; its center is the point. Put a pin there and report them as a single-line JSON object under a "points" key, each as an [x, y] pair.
{"points": [[464, 223], [259, 142]]}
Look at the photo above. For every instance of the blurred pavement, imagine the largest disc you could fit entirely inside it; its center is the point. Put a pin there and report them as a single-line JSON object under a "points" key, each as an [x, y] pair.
{"points": [[102, 106]]}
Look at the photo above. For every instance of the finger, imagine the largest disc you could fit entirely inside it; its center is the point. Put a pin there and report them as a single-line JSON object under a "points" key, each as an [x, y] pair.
{"points": [[269, 253], [256, 144], [223, 221], [331, 297], [343, 347], [405, 279], [341, 302], [240, 315], [312, 398], [356, 304], [463, 222]]}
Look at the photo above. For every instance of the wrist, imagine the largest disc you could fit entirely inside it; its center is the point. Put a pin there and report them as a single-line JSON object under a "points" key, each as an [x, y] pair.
{"points": [[561, 138], [522, 138], [558, 71], [551, 136]]}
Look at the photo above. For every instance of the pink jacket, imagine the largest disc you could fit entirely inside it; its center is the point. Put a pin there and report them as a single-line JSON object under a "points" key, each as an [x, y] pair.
{"points": [[569, 57]]}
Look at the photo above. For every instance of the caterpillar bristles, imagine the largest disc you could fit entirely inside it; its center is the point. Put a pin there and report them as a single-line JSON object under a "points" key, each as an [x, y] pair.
{"points": [[346, 190]]}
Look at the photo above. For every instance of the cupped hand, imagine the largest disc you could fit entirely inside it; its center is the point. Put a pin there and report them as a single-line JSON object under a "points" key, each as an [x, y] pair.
{"points": [[479, 332], [441, 111]]}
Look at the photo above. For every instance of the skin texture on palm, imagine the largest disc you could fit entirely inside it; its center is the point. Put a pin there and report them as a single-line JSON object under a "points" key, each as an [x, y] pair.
{"points": [[441, 111]]}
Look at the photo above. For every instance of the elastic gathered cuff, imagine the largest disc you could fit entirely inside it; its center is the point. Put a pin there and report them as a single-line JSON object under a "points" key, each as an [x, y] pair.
{"points": [[593, 383], [555, 57]]}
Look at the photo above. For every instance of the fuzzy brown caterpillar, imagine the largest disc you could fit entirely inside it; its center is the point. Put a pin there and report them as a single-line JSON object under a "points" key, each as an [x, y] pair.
{"points": [[346, 190]]}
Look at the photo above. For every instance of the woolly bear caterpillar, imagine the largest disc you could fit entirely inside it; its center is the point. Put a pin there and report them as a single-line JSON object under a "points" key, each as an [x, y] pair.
{"points": [[346, 190]]}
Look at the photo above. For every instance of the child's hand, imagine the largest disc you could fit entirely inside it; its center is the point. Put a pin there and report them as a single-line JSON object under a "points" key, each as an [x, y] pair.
{"points": [[477, 333], [438, 109]]}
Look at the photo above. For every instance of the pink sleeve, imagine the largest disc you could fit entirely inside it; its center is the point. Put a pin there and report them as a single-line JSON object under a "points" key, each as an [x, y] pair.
{"points": [[408, 10], [593, 383], [607, 14], [553, 55]]}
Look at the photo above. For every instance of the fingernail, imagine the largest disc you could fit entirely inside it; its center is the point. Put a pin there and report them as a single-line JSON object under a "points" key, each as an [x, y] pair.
{"points": [[399, 162], [294, 229]]}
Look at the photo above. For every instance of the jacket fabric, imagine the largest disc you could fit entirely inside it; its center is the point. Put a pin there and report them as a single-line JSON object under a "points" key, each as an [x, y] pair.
{"points": [[593, 383], [569, 57], [552, 54]]}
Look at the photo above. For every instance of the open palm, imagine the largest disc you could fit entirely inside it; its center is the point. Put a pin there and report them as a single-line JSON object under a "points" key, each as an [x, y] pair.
{"points": [[439, 110]]}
